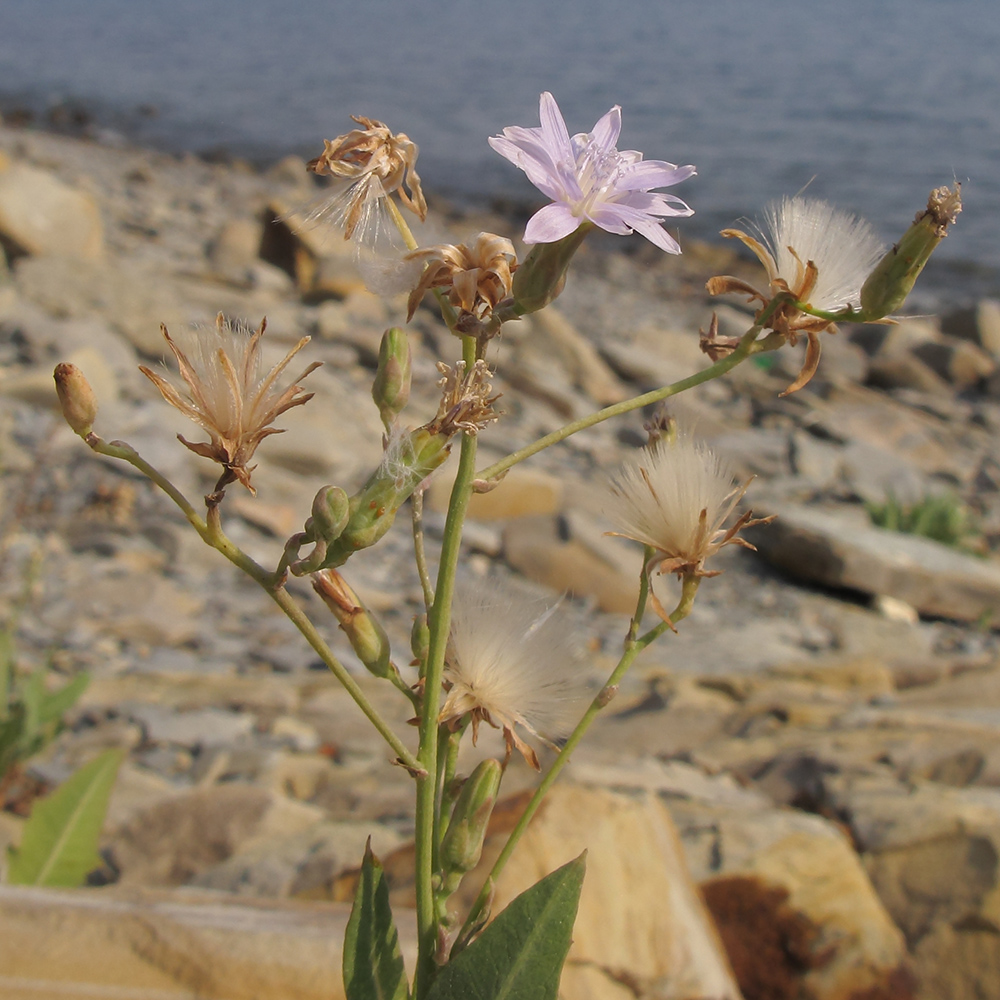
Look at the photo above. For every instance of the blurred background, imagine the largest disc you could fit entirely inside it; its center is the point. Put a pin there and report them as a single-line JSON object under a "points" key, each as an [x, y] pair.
{"points": [[869, 104]]}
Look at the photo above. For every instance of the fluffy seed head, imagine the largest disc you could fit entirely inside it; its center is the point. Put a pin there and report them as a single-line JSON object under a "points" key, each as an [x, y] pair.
{"points": [[510, 664]]}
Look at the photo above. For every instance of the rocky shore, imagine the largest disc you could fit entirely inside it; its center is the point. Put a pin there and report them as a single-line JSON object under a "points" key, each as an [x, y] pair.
{"points": [[818, 749]]}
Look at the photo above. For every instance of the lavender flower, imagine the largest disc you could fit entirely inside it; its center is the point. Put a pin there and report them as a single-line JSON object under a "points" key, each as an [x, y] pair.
{"points": [[589, 180]]}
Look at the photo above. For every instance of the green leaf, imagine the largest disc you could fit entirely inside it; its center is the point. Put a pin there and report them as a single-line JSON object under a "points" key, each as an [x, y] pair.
{"points": [[54, 704], [59, 840], [373, 961], [521, 954]]}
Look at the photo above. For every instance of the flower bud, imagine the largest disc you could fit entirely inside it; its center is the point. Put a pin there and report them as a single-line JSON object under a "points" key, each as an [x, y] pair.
{"points": [[391, 389], [462, 844], [79, 406], [330, 513], [542, 274], [366, 635], [889, 284]]}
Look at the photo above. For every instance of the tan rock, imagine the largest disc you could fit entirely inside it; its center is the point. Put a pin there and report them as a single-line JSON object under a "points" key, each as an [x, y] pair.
{"points": [[39, 214], [641, 919], [534, 546], [135, 945], [811, 860], [521, 493]]}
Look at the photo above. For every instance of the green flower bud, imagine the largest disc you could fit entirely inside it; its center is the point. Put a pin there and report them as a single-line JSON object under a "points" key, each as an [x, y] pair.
{"points": [[542, 274], [889, 284], [79, 405], [330, 513], [462, 844], [366, 635], [391, 389]]}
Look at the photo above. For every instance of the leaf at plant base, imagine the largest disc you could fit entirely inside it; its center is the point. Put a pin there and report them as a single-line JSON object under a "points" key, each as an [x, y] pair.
{"points": [[521, 954], [373, 961], [59, 840], [56, 703]]}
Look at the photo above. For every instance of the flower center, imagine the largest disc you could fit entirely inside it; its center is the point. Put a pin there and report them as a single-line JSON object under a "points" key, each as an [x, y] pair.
{"points": [[594, 170]]}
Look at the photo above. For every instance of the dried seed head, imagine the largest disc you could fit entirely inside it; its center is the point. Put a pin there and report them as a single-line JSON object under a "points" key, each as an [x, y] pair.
{"points": [[227, 394], [476, 279], [375, 162], [466, 403]]}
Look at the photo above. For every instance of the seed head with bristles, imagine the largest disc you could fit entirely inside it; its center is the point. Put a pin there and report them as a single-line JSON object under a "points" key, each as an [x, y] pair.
{"points": [[228, 395]]}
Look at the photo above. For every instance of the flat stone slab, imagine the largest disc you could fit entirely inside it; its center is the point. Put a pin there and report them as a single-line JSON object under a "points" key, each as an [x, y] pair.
{"points": [[158, 945], [839, 549]]}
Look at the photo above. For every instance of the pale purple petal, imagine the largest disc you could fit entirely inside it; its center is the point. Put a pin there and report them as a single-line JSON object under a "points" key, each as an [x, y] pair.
{"points": [[551, 223], [654, 203], [608, 128], [651, 174], [608, 217], [554, 126], [657, 235]]}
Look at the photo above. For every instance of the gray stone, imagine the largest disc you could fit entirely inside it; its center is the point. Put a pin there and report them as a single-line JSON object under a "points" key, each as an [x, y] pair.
{"points": [[199, 729], [837, 549]]}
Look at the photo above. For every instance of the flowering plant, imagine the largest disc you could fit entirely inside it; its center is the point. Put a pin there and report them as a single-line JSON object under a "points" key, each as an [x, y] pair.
{"points": [[483, 659]]}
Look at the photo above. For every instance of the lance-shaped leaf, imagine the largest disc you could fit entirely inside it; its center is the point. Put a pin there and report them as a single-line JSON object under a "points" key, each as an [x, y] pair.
{"points": [[373, 962], [59, 841], [521, 954]]}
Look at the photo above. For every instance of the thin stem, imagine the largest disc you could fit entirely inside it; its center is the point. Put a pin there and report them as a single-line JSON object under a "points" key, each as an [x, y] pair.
{"points": [[740, 353], [439, 623], [212, 534], [633, 647], [419, 552]]}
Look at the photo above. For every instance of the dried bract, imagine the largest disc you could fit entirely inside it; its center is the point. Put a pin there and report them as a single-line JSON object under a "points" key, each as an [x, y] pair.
{"points": [[227, 394], [675, 499], [375, 162], [510, 664], [476, 279], [466, 403]]}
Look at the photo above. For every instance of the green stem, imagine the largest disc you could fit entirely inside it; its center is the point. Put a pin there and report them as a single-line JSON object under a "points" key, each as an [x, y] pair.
{"points": [[212, 534], [439, 623], [633, 647], [419, 552]]}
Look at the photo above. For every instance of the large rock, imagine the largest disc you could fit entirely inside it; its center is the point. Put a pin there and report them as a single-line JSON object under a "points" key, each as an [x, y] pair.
{"points": [[933, 854], [839, 550], [641, 919], [170, 945], [39, 214], [786, 863]]}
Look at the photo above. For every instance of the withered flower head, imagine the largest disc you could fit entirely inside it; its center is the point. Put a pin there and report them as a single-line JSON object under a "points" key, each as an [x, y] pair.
{"points": [[466, 403], [675, 499], [476, 279], [818, 257], [227, 395], [373, 162], [510, 664]]}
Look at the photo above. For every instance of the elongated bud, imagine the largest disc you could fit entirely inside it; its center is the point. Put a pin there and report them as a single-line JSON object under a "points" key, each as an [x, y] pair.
{"points": [[409, 459], [79, 405], [892, 280], [366, 635], [331, 509], [420, 639], [391, 389], [542, 274], [463, 841]]}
